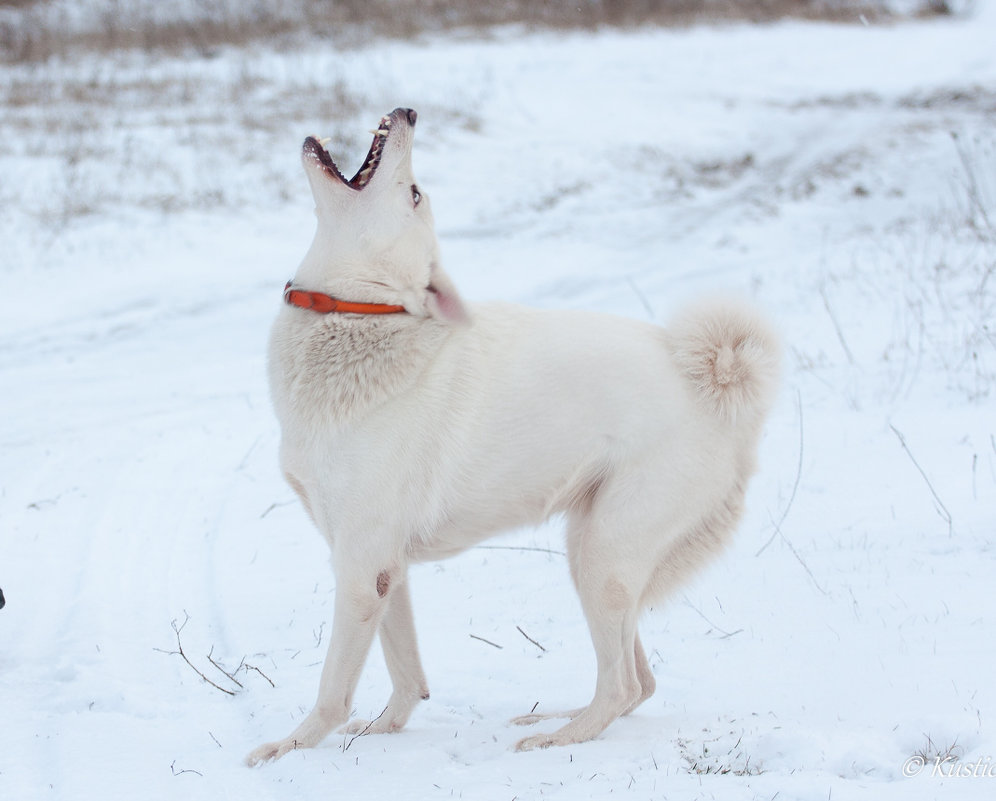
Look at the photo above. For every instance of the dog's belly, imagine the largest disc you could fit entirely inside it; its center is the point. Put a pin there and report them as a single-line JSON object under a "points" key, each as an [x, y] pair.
{"points": [[436, 495], [491, 505]]}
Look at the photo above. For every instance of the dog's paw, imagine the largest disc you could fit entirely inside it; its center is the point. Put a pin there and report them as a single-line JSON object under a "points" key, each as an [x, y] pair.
{"points": [[270, 752], [379, 725], [537, 741], [356, 727]]}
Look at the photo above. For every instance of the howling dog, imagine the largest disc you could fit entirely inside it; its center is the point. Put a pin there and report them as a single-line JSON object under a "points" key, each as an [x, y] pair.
{"points": [[415, 425]]}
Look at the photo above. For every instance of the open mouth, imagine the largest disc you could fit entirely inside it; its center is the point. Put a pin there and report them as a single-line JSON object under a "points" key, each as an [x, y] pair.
{"points": [[314, 148]]}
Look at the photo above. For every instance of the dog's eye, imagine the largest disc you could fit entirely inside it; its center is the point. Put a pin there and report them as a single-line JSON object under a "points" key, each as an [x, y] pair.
{"points": [[416, 195]]}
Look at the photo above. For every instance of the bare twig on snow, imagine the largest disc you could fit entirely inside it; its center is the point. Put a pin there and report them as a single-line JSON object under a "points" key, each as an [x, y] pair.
{"points": [[795, 485], [531, 639], [492, 644], [942, 510], [183, 655]]}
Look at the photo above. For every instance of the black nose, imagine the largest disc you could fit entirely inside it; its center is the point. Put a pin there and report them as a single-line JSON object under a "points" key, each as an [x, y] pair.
{"points": [[412, 116]]}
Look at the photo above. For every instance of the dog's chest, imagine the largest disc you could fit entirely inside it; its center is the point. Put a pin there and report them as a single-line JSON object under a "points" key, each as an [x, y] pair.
{"points": [[331, 370]]}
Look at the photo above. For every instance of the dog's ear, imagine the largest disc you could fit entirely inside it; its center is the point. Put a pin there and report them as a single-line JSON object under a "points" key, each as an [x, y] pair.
{"points": [[442, 300]]}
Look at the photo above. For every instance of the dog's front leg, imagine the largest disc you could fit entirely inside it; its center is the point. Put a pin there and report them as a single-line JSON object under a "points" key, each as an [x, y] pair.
{"points": [[397, 636], [360, 603]]}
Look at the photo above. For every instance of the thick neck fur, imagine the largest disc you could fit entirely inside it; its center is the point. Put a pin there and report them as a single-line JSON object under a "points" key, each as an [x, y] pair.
{"points": [[337, 367]]}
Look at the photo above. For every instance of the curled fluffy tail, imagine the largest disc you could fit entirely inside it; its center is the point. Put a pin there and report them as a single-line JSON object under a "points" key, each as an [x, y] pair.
{"points": [[730, 355]]}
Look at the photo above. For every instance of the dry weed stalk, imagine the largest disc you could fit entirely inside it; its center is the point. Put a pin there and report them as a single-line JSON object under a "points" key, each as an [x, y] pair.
{"points": [[243, 665], [35, 31]]}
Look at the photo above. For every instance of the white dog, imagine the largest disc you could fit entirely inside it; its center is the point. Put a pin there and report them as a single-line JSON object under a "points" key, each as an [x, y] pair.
{"points": [[413, 427]]}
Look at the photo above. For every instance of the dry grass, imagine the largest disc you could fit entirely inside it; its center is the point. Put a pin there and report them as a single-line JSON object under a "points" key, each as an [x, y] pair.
{"points": [[124, 131], [719, 753], [39, 29], [75, 142], [931, 753], [929, 280]]}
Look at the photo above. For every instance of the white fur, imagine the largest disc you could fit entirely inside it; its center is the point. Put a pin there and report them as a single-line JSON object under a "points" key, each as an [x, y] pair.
{"points": [[412, 437]]}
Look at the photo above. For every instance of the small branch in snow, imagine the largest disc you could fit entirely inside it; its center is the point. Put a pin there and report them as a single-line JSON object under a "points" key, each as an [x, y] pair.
{"points": [[44, 503], [364, 730], [172, 767], [245, 459], [492, 644], [247, 667], [531, 640], [222, 670], [180, 652], [805, 567], [836, 326], [795, 485], [518, 548], [726, 634], [975, 464], [641, 296], [942, 510], [273, 506]]}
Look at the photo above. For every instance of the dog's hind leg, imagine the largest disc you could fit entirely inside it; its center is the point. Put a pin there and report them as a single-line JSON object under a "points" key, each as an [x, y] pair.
{"points": [[617, 687], [643, 673], [604, 581], [397, 637]]}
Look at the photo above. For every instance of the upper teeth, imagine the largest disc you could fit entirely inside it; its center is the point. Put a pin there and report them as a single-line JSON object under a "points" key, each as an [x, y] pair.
{"points": [[381, 133], [383, 129]]}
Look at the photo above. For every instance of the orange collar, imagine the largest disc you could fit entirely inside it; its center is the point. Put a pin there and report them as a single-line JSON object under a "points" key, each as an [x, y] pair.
{"points": [[324, 304]]}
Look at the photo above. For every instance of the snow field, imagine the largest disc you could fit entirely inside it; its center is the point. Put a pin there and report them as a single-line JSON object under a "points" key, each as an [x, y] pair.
{"points": [[150, 216]]}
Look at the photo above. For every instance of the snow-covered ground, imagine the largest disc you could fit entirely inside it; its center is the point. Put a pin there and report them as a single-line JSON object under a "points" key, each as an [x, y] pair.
{"points": [[150, 212]]}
